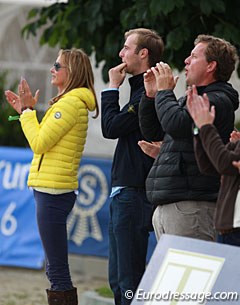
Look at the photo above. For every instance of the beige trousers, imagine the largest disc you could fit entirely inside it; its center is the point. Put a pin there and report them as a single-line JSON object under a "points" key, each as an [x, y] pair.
{"points": [[186, 218]]}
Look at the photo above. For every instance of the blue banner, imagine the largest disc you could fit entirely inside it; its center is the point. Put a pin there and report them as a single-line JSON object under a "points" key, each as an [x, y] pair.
{"points": [[20, 244], [19, 240]]}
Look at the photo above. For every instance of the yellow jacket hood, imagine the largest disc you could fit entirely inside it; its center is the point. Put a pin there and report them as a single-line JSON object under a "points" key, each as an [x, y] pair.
{"points": [[85, 95]]}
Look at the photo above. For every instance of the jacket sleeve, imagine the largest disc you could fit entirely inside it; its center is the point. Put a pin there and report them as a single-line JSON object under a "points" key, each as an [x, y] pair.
{"points": [[115, 122], [204, 164], [42, 137], [173, 115], [219, 154], [149, 124]]}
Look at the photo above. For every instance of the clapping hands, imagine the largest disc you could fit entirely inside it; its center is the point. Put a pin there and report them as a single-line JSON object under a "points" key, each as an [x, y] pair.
{"points": [[159, 78], [24, 97]]}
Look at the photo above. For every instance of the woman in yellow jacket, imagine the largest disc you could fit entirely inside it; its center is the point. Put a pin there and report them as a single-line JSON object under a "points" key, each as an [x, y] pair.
{"points": [[57, 142]]}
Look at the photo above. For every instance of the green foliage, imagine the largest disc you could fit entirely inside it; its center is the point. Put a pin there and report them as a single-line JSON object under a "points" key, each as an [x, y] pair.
{"points": [[237, 125], [99, 25], [105, 292], [11, 133]]}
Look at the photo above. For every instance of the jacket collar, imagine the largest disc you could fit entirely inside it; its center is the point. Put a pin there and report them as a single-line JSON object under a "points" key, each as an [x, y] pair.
{"points": [[136, 81]]}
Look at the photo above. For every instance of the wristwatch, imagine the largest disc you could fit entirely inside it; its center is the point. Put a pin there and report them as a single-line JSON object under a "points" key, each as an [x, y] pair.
{"points": [[195, 131]]}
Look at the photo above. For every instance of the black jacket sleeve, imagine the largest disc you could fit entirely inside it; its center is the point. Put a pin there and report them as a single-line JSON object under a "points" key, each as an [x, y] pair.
{"points": [[148, 120], [173, 115]]}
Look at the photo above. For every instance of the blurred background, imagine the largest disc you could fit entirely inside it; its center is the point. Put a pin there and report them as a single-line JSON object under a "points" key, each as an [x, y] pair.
{"points": [[98, 27], [31, 34]]}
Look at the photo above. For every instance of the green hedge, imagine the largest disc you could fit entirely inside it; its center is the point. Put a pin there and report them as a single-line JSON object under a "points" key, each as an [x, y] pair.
{"points": [[11, 133]]}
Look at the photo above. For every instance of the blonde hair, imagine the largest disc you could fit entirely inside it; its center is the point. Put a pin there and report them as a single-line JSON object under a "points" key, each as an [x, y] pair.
{"points": [[80, 73]]}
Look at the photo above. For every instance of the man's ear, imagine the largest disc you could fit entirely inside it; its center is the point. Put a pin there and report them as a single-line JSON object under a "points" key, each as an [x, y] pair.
{"points": [[143, 52], [212, 66]]}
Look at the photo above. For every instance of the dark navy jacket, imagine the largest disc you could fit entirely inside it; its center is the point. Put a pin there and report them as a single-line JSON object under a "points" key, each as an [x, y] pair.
{"points": [[130, 165]]}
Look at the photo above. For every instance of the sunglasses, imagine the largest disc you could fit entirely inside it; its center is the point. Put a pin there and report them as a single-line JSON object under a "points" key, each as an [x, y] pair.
{"points": [[57, 66]]}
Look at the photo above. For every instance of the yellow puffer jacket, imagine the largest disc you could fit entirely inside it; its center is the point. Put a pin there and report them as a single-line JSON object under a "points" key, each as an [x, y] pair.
{"points": [[58, 141]]}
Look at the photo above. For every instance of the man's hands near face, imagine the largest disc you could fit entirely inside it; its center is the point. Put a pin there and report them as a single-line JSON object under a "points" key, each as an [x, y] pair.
{"points": [[117, 75]]}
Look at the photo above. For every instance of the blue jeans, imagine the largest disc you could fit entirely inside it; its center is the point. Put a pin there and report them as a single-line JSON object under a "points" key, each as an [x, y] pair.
{"points": [[232, 238], [130, 216], [52, 212]]}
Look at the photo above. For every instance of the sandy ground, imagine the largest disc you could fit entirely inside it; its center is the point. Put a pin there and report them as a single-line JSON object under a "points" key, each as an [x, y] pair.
{"points": [[20, 286]]}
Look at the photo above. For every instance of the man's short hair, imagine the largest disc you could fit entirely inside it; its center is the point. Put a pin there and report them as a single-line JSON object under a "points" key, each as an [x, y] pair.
{"points": [[150, 40], [221, 51]]}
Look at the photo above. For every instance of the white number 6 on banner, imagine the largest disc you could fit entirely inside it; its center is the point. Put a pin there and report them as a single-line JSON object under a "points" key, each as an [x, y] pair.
{"points": [[9, 222]]}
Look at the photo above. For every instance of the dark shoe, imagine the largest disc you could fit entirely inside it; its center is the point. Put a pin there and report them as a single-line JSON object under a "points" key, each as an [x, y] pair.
{"points": [[68, 297]]}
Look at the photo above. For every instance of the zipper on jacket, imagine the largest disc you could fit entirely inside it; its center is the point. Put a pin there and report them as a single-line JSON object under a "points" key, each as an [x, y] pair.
{"points": [[40, 162]]}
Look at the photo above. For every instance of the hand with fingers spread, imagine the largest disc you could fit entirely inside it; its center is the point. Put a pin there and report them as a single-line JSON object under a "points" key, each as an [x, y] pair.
{"points": [[151, 149], [117, 75], [164, 77], [198, 107]]}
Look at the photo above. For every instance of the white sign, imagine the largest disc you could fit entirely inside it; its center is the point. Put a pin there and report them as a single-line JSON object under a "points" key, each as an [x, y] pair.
{"points": [[185, 273]]}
